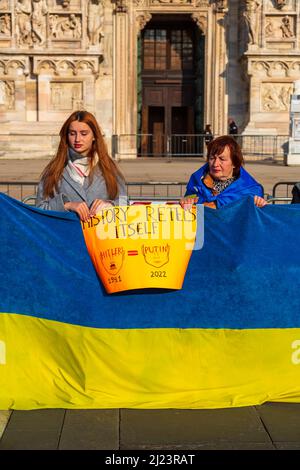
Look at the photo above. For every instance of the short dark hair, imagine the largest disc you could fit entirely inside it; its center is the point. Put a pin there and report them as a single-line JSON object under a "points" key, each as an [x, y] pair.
{"points": [[216, 147]]}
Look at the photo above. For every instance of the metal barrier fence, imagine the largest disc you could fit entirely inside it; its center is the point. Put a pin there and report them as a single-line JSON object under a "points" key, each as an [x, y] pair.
{"points": [[164, 190], [25, 191], [254, 147]]}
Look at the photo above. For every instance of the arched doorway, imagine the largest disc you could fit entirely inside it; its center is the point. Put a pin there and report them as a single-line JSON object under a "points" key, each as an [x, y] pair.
{"points": [[170, 86]]}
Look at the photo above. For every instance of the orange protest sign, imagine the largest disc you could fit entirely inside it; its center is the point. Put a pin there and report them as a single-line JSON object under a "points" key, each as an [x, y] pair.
{"points": [[141, 246]]}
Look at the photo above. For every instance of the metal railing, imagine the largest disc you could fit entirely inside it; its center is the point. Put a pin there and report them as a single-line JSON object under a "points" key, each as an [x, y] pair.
{"points": [[281, 193], [254, 147], [20, 190], [25, 191]]}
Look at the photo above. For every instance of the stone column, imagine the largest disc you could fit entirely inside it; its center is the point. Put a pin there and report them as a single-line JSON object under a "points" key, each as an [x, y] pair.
{"points": [[219, 98], [120, 71]]}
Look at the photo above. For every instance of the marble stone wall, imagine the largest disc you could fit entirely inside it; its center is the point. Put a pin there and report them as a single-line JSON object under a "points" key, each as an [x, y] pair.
{"points": [[60, 55]]}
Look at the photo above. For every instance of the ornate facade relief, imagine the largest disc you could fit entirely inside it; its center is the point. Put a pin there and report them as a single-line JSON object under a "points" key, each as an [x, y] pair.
{"points": [[31, 22], [14, 67], [7, 95], [175, 3], [4, 4], [63, 27], [280, 32], [201, 21], [38, 21], [275, 97], [142, 19], [23, 22], [280, 3], [171, 2], [5, 25], [66, 66], [221, 5], [287, 28], [66, 96]]}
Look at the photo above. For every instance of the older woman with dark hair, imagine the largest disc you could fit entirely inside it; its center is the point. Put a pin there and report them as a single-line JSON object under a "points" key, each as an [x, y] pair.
{"points": [[222, 179]]}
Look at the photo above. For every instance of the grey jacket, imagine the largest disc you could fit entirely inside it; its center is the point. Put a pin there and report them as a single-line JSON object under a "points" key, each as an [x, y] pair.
{"points": [[69, 190]]}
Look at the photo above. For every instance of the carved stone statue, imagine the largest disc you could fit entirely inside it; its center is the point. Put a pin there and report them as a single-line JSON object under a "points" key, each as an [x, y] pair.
{"points": [[5, 24], [95, 21], [252, 19], [286, 27], [23, 22], [269, 28], [38, 21]]}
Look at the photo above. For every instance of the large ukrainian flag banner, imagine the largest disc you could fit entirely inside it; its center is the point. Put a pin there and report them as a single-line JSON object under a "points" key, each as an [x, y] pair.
{"points": [[229, 337]]}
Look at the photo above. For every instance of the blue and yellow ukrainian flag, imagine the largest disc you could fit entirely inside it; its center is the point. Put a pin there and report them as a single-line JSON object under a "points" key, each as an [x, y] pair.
{"points": [[229, 337]]}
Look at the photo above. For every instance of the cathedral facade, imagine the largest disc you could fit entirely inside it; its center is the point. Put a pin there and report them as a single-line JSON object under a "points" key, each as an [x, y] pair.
{"points": [[145, 67]]}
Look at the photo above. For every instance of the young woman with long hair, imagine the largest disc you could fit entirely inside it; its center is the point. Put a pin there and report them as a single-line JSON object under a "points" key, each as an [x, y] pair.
{"points": [[81, 177]]}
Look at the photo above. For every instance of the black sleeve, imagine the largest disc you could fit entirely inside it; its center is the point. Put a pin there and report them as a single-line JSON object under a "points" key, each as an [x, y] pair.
{"points": [[296, 194]]}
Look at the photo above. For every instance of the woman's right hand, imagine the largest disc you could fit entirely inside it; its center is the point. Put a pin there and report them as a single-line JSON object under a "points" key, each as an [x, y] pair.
{"points": [[188, 202], [80, 208]]}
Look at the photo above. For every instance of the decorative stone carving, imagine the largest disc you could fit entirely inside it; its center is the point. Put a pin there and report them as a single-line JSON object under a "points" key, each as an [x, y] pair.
{"points": [[276, 96], [38, 21], [280, 3], [23, 22], [4, 4], [201, 21], [172, 2], [95, 21], [269, 28], [201, 3], [251, 15], [14, 67], [7, 94], [65, 27], [286, 28], [142, 19], [66, 66], [5, 25], [66, 96], [221, 5], [31, 22], [121, 6], [279, 29]]}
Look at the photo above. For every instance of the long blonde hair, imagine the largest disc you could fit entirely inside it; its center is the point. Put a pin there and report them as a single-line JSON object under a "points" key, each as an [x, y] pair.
{"points": [[53, 171]]}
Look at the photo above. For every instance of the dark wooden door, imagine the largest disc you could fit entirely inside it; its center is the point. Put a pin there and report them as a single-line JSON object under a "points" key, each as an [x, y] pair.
{"points": [[157, 130], [168, 81]]}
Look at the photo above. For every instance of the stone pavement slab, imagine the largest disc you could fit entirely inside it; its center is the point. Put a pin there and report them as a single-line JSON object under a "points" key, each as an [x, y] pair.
{"points": [[271, 426], [37, 429], [283, 423], [230, 428], [90, 430]]}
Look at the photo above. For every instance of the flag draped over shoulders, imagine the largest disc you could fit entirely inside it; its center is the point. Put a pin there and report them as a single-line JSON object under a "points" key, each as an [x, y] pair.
{"points": [[245, 185]]}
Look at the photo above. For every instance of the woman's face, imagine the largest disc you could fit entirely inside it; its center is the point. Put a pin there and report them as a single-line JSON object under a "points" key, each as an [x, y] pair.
{"points": [[80, 137], [221, 166]]}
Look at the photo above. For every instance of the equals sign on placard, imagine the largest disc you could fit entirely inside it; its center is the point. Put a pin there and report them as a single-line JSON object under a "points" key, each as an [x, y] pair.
{"points": [[132, 252]]}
